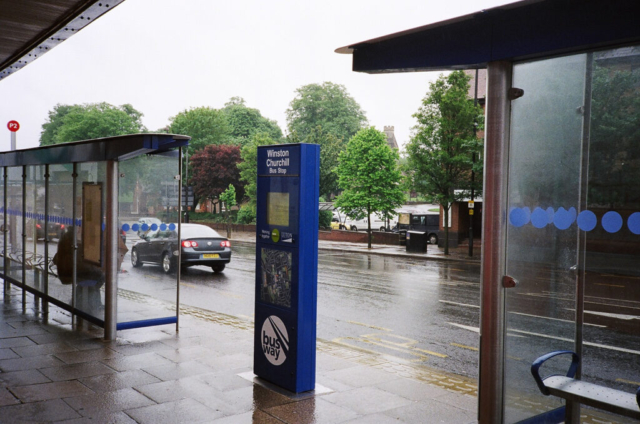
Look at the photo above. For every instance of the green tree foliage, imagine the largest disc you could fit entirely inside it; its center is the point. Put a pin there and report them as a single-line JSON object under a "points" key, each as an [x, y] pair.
{"points": [[245, 122], [441, 149], [249, 173], [330, 148], [228, 197], [327, 105], [213, 169], [369, 177], [84, 122], [204, 125], [614, 157]]}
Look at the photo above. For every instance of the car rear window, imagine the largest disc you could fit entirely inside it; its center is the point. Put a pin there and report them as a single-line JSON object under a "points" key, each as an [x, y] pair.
{"points": [[200, 231]]}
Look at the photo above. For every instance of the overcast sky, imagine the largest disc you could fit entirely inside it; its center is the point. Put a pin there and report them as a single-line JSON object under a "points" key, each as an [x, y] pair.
{"points": [[165, 56]]}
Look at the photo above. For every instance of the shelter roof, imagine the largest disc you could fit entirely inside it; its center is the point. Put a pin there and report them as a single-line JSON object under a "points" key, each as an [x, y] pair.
{"points": [[101, 149], [524, 30], [31, 28]]}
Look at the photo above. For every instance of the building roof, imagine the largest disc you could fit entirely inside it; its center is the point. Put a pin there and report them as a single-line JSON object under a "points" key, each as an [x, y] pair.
{"points": [[524, 30], [31, 28]]}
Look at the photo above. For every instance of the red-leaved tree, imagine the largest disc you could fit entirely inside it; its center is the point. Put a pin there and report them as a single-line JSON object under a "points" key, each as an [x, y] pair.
{"points": [[213, 168]]}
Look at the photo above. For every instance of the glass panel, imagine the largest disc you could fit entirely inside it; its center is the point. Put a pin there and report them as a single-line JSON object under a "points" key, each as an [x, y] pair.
{"points": [[2, 223], [35, 261], [543, 199], [60, 213], [148, 204], [14, 235]]}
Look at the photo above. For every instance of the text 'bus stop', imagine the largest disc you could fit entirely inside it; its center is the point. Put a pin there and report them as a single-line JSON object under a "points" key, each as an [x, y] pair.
{"points": [[69, 215]]}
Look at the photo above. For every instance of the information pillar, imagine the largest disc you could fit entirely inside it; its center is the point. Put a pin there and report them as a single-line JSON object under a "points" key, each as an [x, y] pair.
{"points": [[287, 265]]}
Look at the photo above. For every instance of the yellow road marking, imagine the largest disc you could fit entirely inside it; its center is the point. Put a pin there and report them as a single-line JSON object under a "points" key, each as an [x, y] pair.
{"points": [[188, 285], [464, 347], [402, 347], [339, 341], [369, 326], [622, 380]]}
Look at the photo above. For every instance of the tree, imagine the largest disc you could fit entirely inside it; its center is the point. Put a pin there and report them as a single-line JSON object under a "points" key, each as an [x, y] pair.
{"points": [[330, 148], [439, 154], [244, 122], [327, 105], [84, 122], [214, 168], [204, 125], [249, 173], [228, 197], [369, 177]]}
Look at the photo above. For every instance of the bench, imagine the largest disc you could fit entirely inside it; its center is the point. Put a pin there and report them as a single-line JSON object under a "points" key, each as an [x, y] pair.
{"points": [[569, 388]]}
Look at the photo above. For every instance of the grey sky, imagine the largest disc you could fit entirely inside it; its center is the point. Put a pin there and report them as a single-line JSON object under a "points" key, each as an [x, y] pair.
{"points": [[164, 56]]}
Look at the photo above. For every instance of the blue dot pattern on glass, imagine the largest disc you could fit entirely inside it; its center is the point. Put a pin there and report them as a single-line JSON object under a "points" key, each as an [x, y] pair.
{"points": [[135, 227], [144, 227], [172, 227], [587, 220], [163, 227], [634, 223], [539, 218], [562, 219], [612, 222], [518, 217], [125, 227], [154, 227]]}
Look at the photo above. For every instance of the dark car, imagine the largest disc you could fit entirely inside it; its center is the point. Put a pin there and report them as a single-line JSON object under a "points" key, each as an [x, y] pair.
{"points": [[54, 229], [200, 245]]}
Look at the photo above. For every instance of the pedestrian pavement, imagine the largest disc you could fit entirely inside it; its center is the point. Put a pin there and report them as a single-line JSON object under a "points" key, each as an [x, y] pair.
{"points": [[460, 253], [54, 371]]}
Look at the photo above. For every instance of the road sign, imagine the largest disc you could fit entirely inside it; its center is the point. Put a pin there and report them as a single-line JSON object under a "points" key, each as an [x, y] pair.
{"points": [[13, 126], [471, 204]]}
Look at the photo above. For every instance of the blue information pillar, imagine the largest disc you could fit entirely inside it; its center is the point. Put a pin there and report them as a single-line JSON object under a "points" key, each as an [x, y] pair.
{"points": [[287, 265]]}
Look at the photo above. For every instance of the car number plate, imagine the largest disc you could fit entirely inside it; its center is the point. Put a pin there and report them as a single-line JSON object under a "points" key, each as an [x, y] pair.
{"points": [[210, 256]]}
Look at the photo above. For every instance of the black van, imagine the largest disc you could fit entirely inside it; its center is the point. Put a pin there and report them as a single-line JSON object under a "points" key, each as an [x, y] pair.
{"points": [[427, 222]]}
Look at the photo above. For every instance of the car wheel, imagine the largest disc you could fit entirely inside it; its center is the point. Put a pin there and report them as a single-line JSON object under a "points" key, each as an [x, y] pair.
{"points": [[354, 228], [217, 268], [433, 239], [383, 229], [135, 260], [167, 263]]}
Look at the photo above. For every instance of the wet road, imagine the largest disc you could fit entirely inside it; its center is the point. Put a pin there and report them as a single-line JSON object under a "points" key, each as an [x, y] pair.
{"points": [[408, 309], [427, 312]]}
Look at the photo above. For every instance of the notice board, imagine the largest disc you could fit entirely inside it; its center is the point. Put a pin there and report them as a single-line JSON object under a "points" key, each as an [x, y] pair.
{"points": [[92, 223]]}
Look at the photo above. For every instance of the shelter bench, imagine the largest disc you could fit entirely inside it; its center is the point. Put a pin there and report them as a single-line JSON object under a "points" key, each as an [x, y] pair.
{"points": [[590, 394]]}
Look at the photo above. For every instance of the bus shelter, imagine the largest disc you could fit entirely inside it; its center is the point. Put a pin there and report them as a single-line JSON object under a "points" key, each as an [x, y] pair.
{"points": [[561, 224], [70, 215]]}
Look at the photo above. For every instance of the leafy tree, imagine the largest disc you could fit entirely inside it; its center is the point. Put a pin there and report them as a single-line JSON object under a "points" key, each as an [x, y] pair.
{"points": [[84, 122], [204, 125], [327, 105], [330, 148], [228, 197], [214, 168], [440, 151], [244, 122], [369, 177], [249, 173]]}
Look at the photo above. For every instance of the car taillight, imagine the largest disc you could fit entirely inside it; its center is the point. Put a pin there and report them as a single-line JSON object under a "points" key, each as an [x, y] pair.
{"points": [[62, 227], [189, 243], [225, 243], [38, 226]]}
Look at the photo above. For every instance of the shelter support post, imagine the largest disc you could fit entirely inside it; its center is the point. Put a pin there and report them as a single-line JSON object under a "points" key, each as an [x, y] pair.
{"points": [[111, 256], [492, 318]]}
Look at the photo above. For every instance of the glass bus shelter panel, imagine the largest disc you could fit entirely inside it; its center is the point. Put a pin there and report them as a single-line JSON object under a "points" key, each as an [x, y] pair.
{"points": [[543, 202], [3, 227], [611, 353], [60, 214], [36, 230], [148, 219], [91, 204], [14, 216]]}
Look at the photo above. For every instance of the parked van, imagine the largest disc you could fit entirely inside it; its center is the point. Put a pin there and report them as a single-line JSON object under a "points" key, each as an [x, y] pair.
{"points": [[425, 222]]}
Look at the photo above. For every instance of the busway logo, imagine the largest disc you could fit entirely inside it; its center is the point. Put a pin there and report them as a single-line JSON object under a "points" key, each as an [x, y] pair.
{"points": [[275, 340]]}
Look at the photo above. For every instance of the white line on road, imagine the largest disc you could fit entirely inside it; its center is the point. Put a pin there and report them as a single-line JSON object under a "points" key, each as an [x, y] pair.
{"points": [[618, 349], [459, 304]]}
